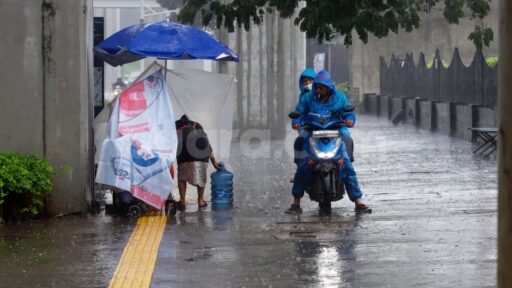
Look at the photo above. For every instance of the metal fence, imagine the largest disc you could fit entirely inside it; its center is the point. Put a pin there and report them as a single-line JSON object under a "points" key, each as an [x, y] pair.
{"points": [[476, 84]]}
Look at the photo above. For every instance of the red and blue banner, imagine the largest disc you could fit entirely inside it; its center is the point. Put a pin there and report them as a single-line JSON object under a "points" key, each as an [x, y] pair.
{"points": [[141, 143]]}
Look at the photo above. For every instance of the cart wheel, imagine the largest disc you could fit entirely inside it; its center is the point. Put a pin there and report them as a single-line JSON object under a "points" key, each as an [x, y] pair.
{"points": [[110, 209], [173, 209], [170, 208], [134, 211]]}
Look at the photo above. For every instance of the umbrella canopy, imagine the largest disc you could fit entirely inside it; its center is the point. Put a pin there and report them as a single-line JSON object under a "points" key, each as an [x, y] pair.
{"points": [[163, 40]]}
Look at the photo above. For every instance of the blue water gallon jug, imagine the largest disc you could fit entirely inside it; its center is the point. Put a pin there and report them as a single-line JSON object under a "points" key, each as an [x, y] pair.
{"points": [[222, 186]]}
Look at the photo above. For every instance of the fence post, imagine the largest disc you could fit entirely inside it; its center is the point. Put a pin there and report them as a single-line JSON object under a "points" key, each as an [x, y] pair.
{"points": [[456, 90], [436, 68], [417, 112], [452, 110]]}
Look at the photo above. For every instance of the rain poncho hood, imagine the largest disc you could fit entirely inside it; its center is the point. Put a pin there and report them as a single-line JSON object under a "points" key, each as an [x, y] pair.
{"points": [[308, 72], [309, 102], [324, 78]]}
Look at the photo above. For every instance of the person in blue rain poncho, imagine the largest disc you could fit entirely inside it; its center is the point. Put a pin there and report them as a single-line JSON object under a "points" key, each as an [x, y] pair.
{"points": [[305, 85], [324, 97], [306, 81]]}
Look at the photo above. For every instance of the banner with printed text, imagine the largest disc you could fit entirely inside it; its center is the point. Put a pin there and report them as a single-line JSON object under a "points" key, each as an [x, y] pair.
{"points": [[141, 143]]}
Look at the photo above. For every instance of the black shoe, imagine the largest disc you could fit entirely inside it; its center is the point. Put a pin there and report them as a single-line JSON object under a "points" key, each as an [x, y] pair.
{"points": [[361, 208], [294, 209]]}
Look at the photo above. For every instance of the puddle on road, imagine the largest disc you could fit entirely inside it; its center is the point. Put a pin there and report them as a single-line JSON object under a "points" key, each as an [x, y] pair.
{"points": [[201, 254]]}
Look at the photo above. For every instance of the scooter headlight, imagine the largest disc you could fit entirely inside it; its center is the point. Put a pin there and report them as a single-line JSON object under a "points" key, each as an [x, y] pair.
{"points": [[325, 147]]}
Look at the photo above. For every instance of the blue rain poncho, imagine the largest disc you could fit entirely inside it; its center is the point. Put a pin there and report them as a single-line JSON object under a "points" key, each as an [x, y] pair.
{"points": [[308, 72], [309, 102]]}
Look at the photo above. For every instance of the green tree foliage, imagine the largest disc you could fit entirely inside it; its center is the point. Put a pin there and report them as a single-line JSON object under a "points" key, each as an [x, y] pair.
{"points": [[324, 19], [481, 36], [344, 87]]}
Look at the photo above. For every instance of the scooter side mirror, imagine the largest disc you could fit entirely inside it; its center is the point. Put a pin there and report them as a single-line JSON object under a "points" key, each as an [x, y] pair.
{"points": [[349, 108], [294, 115]]}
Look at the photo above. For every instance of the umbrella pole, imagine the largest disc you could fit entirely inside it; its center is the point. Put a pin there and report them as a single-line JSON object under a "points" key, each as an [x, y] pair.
{"points": [[165, 72]]}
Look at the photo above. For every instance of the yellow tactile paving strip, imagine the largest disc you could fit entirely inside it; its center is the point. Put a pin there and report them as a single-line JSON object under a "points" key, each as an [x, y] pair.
{"points": [[136, 266]]}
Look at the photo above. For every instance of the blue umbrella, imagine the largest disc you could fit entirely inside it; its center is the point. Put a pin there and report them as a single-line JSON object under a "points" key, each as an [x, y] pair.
{"points": [[163, 40]]}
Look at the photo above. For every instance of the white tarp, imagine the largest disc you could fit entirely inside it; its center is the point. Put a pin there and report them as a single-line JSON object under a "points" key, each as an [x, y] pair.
{"points": [[141, 143], [205, 97]]}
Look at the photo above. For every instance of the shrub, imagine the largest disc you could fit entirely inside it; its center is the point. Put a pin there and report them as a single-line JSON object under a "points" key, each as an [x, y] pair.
{"points": [[25, 180], [344, 87], [430, 64], [491, 61]]}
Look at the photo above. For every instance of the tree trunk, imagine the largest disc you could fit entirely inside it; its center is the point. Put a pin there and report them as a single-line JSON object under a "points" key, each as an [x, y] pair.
{"points": [[505, 148]]}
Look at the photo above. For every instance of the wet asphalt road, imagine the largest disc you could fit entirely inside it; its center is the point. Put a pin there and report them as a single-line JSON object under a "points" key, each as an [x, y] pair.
{"points": [[434, 222], [434, 225]]}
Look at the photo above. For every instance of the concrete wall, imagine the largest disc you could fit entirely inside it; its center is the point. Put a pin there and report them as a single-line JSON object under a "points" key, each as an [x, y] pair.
{"points": [[425, 114], [21, 81], [448, 118], [410, 111], [44, 90], [442, 118], [462, 121], [434, 33], [397, 106], [384, 107], [486, 117], [371, 104]]}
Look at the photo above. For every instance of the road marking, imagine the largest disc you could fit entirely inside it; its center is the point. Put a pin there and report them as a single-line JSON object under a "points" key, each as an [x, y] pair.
{"points": [[135, 269]]}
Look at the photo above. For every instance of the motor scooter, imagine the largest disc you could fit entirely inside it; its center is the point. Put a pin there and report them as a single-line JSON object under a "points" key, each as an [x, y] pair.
{"points": [[323, 147]]}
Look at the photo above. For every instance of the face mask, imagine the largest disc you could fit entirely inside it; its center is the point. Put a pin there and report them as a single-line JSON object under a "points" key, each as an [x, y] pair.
{"points": [[308, 87]]}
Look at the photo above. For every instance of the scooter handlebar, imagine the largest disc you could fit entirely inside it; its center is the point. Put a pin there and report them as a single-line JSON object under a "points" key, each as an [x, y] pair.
{"points": [[338, 125]]}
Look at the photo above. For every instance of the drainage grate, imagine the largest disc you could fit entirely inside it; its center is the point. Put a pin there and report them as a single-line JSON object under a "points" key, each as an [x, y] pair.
{"points": [[312, 230], [303, 234]]}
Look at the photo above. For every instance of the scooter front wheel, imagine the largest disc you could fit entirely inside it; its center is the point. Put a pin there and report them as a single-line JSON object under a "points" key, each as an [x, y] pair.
{"points": [[325, 207], [325, 202]]}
